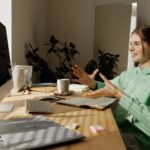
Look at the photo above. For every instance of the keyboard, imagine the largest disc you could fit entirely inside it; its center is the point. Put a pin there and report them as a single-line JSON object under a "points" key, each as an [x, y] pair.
{"points": [[36, 106]]}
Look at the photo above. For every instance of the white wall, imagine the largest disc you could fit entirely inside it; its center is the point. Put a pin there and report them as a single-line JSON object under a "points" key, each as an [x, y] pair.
{"points": [[73, 21], [41, 26], [41, 23], [112, 28], [22, 28], [143, 11], [29, 24], [69, 20]]}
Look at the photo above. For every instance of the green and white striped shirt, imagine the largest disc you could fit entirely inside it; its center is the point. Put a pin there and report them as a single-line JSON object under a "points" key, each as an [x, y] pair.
{"points": [[135, 104]]}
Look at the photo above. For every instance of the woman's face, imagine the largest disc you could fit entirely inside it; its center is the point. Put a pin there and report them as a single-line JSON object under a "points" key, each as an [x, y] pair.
{"points": [[140, 50]]}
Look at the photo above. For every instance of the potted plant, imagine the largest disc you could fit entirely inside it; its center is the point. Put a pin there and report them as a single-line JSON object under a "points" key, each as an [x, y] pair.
{"points": [[106, 63], [63, 52]]}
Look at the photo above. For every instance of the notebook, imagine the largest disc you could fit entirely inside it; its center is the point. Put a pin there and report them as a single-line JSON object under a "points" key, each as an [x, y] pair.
{"points": [[98, 103], [37, 106], [30, 133]]}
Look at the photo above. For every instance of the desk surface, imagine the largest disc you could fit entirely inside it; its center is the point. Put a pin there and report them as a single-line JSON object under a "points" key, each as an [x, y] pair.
{"points": [[108, 140]]}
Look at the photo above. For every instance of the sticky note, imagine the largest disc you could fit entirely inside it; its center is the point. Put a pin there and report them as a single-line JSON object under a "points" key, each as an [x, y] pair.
{"points": [[96, 128]]}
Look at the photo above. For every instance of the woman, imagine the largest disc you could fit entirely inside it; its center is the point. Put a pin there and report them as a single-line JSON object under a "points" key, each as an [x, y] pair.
{"points": [[132, 90]]}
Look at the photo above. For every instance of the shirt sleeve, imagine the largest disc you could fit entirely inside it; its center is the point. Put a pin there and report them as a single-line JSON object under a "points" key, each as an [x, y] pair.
{"points": [[129, 105], [134, 107], [99, 85], [137, 113]]}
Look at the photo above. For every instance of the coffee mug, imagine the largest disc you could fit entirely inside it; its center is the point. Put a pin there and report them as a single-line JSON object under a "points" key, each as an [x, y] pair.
{"points": [[63, 86]]}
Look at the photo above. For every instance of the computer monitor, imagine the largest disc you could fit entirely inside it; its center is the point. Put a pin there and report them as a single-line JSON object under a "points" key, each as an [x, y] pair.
{"points": [[6, 83]]}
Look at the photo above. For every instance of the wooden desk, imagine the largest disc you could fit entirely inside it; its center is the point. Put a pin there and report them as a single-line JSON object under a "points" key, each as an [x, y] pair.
{"points": [[109, 140]]}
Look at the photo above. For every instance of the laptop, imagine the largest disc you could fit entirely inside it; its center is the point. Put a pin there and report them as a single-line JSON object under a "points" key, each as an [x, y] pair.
{"points": [[6, 83], [6, 107], [35, 132]]}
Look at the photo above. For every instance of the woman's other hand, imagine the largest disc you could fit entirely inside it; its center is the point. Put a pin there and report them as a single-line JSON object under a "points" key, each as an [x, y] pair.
{"points": [[109, 90]]}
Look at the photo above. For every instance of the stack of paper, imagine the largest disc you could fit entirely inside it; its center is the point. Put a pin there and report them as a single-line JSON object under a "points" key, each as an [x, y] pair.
{"points": [[78, 87]]}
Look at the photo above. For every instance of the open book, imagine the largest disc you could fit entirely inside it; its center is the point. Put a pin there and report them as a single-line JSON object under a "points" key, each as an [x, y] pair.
{"points": [[98, 103]]}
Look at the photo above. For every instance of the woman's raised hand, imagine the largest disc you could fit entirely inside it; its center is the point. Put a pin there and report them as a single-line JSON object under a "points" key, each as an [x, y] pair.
{"points": [[83, 77]]}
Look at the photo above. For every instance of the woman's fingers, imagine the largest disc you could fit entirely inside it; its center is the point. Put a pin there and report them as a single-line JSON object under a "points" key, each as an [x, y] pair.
{"points": [[83, 77], [77, 71], [77, 80], [77, 74], [94, 94], [104, 78], [92, 76], [108, 84], [90, 95], [77, 68]]}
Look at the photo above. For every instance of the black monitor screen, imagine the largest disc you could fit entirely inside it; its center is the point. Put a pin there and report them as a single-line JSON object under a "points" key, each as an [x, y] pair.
{"points": [[4, 56]]}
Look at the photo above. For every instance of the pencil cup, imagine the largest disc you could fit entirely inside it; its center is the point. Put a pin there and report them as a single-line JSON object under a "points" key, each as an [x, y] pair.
{"points": [[22, 77], [18, 79], [63, 85]]}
